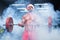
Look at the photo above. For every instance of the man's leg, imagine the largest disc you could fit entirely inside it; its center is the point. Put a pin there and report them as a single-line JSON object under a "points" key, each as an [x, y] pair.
{"points": [[25, 36]]}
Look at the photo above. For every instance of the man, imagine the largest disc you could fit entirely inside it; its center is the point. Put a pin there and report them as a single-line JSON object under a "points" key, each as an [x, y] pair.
{"points": [[26, 21]]}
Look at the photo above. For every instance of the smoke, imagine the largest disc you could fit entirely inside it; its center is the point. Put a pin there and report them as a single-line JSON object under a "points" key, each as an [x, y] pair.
{"points": [[41, 15], [9, 12], [13, 12], [40, 29]]}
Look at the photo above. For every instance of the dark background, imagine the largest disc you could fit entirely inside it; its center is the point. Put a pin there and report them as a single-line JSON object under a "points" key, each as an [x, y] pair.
{"points": [[5, 3]]}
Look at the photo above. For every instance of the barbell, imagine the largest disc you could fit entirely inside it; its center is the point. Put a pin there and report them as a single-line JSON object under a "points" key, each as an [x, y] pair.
{"points": [[9, 24]]}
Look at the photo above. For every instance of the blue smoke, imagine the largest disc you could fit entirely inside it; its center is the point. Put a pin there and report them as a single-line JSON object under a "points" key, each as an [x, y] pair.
{"points": [[41, 15]]}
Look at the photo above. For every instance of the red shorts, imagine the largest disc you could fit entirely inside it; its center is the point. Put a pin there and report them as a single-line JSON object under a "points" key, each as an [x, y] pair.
{"points": [[25, 35]]}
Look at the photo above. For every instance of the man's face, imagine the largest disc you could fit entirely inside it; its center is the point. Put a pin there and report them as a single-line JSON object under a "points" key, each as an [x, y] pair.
{"points": [[30, 7]]}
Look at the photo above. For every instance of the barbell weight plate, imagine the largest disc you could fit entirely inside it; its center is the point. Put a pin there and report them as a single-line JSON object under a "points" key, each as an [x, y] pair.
{"points": [[9, 24]]}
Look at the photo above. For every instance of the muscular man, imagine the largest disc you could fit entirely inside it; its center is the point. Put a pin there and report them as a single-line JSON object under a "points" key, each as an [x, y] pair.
{"points": [[26, 20]]}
